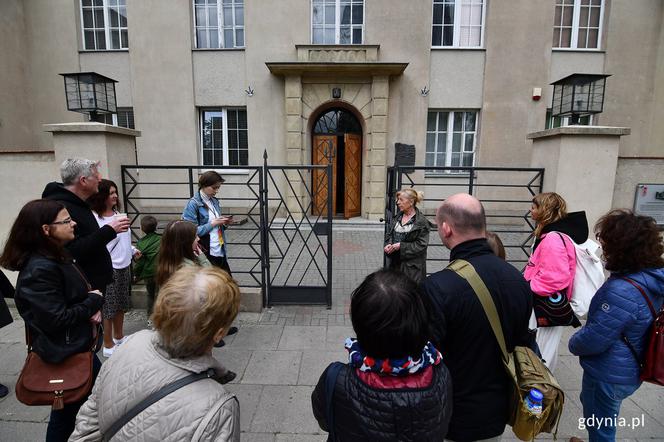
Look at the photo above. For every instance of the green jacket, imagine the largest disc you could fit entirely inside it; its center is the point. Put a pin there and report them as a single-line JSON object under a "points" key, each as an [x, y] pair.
{"points": [[412, 256], [146, 266]]}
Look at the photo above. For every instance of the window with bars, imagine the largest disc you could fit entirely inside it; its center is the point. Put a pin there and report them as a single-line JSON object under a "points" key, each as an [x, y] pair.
{"points": [[123, 118], [458, 23], [219, 23], [224, 137], [451, 138], [337, 21], [578, 24], [104, 24]]}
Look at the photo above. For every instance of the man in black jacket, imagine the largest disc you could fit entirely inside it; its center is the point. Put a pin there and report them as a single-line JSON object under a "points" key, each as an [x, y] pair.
{"points": [[481, 388], [80, 180]]}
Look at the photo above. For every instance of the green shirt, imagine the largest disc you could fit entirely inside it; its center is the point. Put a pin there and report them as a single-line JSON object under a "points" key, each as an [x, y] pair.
{"points": [[146, 266]]}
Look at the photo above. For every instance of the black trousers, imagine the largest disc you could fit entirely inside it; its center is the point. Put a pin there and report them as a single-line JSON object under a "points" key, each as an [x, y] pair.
{"points": [[221, 262]]}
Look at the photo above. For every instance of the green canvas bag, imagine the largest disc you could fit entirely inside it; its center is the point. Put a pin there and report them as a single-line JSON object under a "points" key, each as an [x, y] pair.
{"points": [[523, 366]]}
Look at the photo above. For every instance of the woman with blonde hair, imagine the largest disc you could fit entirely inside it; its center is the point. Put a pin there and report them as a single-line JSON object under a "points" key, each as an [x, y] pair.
{"points": [[194, 310], [552, 265], [407, 238]]}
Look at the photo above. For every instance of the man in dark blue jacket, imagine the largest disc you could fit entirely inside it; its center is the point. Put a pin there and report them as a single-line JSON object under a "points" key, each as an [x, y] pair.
{"points": [[481, 387], [80, 180]]}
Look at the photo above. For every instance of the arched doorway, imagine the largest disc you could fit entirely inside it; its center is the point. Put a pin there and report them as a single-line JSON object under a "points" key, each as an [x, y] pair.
{"points": [[337, 137]]}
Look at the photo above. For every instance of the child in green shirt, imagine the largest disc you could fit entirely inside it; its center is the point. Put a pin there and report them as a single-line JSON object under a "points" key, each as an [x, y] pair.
{"points": [[146, 258]]}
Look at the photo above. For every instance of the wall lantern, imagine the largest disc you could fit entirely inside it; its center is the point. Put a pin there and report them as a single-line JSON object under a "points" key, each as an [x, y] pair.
{"points": [[578, 95], [90, 93]]}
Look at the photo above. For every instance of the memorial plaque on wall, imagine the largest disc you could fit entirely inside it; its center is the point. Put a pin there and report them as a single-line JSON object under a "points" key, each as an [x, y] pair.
{"points": [[649, 201]]}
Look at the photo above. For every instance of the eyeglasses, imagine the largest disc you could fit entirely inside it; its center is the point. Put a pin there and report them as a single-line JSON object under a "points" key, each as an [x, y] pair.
{"points": [[64, 221]]}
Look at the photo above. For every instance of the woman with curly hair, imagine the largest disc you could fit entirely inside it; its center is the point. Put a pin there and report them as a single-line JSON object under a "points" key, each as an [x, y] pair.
{"points": [[552, 265], [619, 316]]}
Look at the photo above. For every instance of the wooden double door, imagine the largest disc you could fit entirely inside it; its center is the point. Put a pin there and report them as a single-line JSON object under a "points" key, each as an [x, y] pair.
{"points": [[346, 158]]}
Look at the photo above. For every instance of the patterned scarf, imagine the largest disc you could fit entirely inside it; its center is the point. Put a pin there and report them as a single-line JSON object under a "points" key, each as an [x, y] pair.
{"points": [[394, 367]]}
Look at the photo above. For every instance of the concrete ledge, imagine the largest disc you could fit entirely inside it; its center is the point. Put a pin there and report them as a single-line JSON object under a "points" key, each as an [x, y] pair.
{"points": [[90, 127], [251, 298], [580, 130]]}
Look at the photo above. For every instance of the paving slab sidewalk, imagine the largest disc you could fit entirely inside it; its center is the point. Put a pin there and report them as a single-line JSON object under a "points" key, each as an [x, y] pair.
{"points": [[280, 353]]}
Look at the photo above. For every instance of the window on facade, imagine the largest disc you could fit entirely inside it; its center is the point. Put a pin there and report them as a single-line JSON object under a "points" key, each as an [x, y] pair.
{"points": [[577, 24], [451, 138], [224, 137], [104, 24], [219, 23], [551, 121], [458, 23], [337, 21], [123, 118]]}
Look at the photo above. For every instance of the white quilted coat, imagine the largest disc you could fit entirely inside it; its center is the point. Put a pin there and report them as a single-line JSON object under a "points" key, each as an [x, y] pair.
{"points": [[200, 411]]}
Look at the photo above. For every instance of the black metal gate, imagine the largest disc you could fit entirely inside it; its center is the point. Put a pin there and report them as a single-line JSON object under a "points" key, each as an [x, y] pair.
{"points": [[279, 246], [298, 254], [506, 194]]}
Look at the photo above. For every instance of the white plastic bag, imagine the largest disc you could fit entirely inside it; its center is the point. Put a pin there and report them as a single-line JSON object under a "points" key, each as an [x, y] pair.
{"points": [[589, 276]]}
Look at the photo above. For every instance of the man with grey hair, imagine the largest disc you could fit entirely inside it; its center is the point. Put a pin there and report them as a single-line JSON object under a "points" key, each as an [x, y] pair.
{"points": [[461, 328], [80, 180]]}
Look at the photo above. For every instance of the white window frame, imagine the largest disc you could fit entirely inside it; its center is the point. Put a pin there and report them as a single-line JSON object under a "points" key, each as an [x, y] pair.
{"points": [[224, 135], [221, 26], [574, 38], [337, 23], [457, 27], [564, 121], [107, 27], [449, 135], [114, 117]]}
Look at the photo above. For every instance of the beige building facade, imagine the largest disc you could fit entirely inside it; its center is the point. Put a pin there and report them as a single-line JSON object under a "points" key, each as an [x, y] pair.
{"points": [[218, 82]]}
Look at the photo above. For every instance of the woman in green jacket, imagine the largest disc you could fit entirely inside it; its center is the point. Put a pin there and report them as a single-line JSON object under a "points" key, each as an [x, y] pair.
{"points": [[407, 239]]}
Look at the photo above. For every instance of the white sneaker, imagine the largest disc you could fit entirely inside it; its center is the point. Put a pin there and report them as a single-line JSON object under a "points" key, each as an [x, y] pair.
{"points": [[119, 341], [107, 352]]}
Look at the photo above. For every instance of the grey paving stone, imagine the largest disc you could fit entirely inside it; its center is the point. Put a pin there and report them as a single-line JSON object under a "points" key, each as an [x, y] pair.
{"points": [[273, 367], [314, 363], [233, 359], [248, 397], [258, 337], [13, 333], [285, 409], [651, 399], [256, 437], [629, 410], [13, 357], [301, 437], [296, 337], [336, 335], [12, 410], [22, 431]]}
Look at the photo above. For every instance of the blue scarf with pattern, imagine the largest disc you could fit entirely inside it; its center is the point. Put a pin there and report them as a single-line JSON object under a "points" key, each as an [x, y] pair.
{"points": [[393, 367]]}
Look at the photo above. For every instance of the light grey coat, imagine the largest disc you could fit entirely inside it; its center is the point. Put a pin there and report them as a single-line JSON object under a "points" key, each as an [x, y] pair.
{"points": [[200, 411]]}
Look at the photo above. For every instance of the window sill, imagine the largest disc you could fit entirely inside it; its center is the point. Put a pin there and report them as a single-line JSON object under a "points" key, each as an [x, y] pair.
{"points": [[456, 48], [445, 175], [599, 51], [97, 51], [217, 49], [222, 170]]}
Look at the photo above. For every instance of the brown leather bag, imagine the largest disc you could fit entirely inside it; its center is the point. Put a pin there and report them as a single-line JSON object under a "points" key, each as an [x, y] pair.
{"points": [[41, 383], [652, 364]]}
